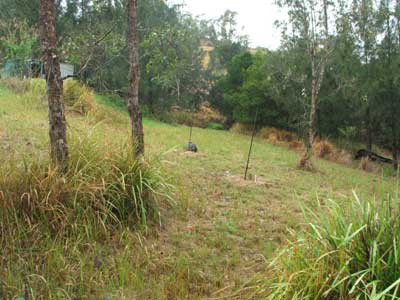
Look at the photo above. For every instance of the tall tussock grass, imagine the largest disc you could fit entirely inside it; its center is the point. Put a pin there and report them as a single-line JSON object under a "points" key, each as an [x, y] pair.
{"points": [[77, 96], [52, 225], [109, 188], [346, 252]]}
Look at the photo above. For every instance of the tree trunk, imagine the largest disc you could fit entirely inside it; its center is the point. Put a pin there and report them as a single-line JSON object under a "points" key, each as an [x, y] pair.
{"points": [[369, 130], [134, 78], [306, 162], [318, 73], [395, 155], [150, 99], [57, 121]]}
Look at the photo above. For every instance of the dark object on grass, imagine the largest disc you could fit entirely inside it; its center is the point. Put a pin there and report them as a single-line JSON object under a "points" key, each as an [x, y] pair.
{"points": [[191, 147], [372, 156]]}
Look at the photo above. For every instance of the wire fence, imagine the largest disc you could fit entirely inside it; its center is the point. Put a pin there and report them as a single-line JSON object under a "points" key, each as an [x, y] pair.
{"points": [[21, 68]]}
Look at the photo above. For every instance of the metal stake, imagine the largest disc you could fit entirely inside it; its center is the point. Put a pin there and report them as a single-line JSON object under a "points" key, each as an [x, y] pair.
{"points": [[251, 145]]}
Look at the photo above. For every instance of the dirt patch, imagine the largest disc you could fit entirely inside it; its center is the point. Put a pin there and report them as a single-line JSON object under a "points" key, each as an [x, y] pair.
{"points": [[253, 180]]}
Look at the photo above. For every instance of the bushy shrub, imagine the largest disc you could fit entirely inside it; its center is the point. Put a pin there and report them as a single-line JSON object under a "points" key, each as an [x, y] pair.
{"points": [[215, 126], [346, 252]]}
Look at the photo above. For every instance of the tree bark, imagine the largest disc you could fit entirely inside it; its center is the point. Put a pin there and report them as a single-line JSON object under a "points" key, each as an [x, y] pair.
{"points": [[318, 74], [134, 79], [57, 121]]}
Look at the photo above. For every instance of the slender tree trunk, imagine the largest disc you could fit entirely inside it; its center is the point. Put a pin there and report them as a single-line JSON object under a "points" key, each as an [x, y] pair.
{"points": [[368, 110], [178, 89], [305, 162], [57, 121], [369, 129], [395, 148], [150, 99], [318, 73], [134, 79]]}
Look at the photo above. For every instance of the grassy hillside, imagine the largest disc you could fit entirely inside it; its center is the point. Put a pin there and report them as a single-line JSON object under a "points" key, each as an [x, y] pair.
{"points": [[211, 244]]}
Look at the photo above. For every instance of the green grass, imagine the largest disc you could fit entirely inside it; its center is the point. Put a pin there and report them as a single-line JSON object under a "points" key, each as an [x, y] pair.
{"points": [[212, 244], [347, 252], [112, 101]]}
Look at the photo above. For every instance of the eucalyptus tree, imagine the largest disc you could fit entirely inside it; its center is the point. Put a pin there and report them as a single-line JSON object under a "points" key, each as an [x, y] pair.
{"points": [[172, 63], [309, 22]]}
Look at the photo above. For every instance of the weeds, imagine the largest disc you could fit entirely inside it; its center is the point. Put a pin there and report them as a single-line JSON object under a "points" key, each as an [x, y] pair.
{"points": [[347, 252]]}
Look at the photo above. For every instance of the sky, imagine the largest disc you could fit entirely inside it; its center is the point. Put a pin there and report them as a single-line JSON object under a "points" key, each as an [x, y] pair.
{"points": [[255, 17]]}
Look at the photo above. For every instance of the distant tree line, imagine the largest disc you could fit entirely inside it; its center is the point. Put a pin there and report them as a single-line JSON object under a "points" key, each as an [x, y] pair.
{"points": [[336, 73], [359, 93], [92, 36]]}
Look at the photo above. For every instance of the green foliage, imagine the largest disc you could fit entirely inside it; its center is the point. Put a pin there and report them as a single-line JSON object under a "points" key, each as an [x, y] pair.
{"points": [[250, 86], [215, 126], [346, 251], [17, 40], [172, 65]]}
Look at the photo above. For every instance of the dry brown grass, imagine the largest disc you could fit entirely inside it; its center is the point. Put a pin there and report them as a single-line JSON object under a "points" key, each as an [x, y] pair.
{"points": [[208, 114], [242, 128], [324, 149], [306, 164], [344, 157], [296, 145], [369, 166], [78, 96], [201, 118], [17, 85], [275, 134]]}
